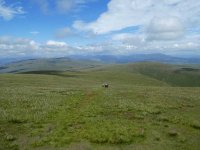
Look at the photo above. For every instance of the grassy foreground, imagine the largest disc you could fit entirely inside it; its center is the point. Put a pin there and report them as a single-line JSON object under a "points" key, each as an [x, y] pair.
{"points": [[140, 110]]}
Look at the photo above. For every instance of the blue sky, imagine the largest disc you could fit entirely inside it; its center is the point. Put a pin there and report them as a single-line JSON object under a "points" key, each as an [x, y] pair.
{"points": [[46, 22], [49, 28]]}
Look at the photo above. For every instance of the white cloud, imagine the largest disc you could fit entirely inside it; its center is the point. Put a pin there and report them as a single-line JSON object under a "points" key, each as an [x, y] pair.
{"points": [[34, 45], [14, 47], [163, 26], [129, 38], [128, 13], [9, 12], [56, 43], [81, 26], [168, 28], [64, 32], [122, 36], [140, 44]]}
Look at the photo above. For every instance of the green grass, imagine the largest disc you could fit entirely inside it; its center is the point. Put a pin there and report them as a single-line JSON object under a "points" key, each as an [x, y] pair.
{"points": [[71, 110], [174, 75]]}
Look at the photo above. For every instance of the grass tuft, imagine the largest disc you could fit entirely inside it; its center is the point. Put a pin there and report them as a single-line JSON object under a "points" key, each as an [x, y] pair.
{"points": [[173, 133], [195, 125]]}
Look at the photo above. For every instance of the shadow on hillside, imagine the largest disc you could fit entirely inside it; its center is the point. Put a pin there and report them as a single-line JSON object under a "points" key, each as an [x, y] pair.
{"points": [[182, 77], [187, 70], [50, 72]]}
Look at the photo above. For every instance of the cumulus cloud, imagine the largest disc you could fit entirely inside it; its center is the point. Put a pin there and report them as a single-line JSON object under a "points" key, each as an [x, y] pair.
{"points": [[9, 12], [128, 13], [15, 47], [167, 28]]}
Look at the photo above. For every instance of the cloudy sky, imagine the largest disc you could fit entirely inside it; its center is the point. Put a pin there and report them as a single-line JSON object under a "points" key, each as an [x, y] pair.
{"points": [[56, 28]]}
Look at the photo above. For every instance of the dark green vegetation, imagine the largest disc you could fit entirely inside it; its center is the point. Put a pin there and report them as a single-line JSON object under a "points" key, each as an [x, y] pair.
{"points": [[147, 106]]}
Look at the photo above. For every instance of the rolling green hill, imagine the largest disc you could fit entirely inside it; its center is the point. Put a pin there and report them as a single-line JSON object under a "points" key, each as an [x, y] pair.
{"points": [[147, 106], [175, 75], [49, 64]]}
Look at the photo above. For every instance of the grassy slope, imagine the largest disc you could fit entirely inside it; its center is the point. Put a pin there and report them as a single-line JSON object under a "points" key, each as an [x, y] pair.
{"points": [[174, 75], [60, 64], [71, 110]]}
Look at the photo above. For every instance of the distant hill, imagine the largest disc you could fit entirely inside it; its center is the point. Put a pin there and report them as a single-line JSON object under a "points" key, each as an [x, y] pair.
{"points": [[51, 64], [157, 57], [184, 75]]}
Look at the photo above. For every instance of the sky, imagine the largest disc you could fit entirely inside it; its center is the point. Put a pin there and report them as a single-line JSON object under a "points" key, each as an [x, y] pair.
{"points": [[59, 28]]}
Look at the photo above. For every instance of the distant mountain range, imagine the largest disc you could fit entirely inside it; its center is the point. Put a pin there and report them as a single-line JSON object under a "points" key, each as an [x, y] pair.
{"points": [[139, 58], [76, 62]]}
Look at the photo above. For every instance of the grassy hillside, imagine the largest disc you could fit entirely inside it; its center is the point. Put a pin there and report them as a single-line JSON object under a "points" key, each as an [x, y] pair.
{"points": [[70, 110], [53, 64], [174, 75]]}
